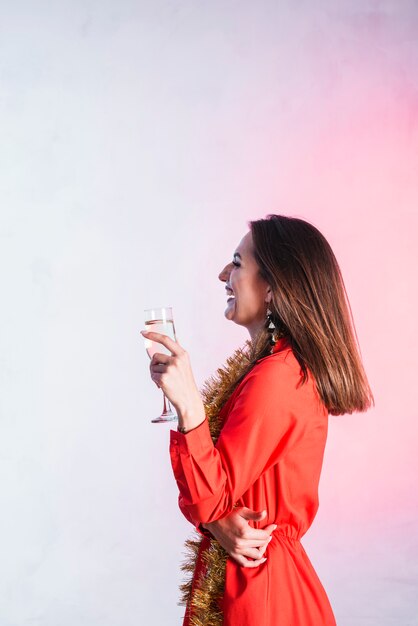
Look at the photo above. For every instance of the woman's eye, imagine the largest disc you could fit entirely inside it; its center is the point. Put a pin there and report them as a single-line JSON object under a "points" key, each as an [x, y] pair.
{"points": [[235, 263]]}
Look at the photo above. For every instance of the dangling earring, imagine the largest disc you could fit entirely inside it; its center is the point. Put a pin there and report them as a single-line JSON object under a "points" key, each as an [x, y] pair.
{"points": [[271, 329], [275, 332]]}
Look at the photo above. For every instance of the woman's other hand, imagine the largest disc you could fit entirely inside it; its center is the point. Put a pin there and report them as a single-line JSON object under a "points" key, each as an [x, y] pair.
{"points": [[245, 544]]}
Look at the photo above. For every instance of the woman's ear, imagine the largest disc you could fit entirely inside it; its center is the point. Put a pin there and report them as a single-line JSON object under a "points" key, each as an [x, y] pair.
{"points": [[268, 295]]}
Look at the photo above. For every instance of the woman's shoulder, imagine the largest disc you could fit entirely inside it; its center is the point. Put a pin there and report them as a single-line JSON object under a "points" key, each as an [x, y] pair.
{"points": [[271, 370], [283, 361], [280, 375]]}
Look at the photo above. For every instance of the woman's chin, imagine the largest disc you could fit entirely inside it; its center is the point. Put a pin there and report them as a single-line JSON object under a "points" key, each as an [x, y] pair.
{"points": [[230, 309]]}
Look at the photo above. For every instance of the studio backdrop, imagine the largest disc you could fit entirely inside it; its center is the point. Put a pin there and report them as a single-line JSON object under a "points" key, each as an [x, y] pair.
{"points": [[137, 139]]}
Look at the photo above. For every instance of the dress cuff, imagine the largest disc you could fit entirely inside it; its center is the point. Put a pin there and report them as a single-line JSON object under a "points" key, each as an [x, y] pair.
{"points": [[204, 531], [195, 440]]}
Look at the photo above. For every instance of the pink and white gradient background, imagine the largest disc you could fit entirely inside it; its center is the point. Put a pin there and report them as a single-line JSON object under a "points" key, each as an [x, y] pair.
{"points": [[137, 139]]}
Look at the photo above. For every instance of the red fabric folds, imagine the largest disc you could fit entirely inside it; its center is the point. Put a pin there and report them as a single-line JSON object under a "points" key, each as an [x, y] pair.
{"points": [[269, 456]]}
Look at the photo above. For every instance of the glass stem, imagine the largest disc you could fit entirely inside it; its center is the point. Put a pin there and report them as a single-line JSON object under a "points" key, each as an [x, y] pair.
{"points": [[167, 410]]}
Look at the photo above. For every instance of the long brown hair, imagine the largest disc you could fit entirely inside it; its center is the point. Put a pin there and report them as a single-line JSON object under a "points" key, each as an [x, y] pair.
{"points": [[310, 307]]}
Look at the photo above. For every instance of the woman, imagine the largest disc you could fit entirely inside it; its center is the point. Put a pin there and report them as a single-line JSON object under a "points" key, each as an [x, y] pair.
{"points": [[247, 457]]}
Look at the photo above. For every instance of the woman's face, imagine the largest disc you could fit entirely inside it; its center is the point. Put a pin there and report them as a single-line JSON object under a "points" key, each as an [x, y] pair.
{"points": [[248, 293]]}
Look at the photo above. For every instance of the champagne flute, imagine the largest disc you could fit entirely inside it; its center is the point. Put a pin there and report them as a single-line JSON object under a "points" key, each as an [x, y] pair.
{"points": [[160, 320]]}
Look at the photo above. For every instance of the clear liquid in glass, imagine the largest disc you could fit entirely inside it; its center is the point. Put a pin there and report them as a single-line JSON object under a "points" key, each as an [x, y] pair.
{"points": [[165, 327], [160, 320]]}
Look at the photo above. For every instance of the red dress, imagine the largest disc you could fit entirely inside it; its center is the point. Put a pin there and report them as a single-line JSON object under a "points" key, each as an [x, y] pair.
{"points": [[269, 456]]}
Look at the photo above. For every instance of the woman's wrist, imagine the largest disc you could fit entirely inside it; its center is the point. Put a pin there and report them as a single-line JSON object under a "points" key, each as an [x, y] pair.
{"points": [[191, 417], [186, 429]]}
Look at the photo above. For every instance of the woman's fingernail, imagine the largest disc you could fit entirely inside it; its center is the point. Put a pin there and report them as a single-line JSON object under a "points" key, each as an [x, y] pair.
{"points": [[275, 526], [270, 538]]}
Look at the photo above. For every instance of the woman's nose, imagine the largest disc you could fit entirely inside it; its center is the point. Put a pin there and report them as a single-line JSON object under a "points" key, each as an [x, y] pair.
{"points": [[223, 274]]}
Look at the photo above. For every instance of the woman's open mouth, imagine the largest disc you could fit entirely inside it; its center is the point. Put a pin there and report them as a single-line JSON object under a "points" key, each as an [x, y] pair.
{"points": [[229, 294]]}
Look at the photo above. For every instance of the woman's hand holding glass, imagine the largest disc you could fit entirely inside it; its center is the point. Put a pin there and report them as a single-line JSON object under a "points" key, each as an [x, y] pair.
{"points": [[245, 544], [173, 374]]}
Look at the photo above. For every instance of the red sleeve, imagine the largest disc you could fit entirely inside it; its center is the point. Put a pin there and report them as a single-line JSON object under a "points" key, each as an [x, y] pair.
{"points": [[267, 418], [202, 531]]}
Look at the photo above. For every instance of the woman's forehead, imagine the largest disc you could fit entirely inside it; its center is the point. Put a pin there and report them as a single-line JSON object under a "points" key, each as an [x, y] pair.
{"points": [[245, 245]]}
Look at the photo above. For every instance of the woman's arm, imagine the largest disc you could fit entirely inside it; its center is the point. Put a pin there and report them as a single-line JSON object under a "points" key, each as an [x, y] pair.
{"points": [[246, 545], [268, 417]]}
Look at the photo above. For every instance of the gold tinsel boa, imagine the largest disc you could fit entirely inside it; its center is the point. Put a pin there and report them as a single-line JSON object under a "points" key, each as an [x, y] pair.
{"points": [[202, 596]]}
